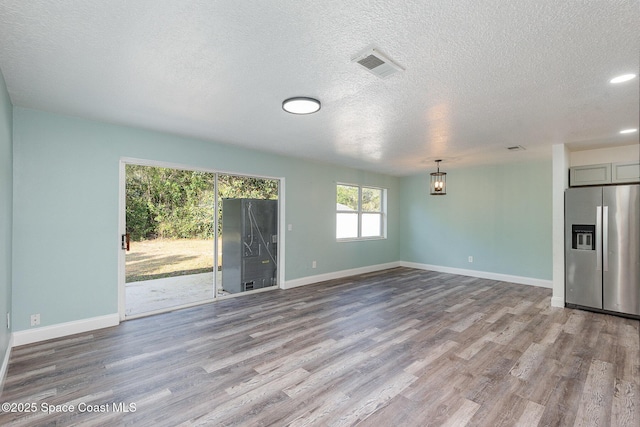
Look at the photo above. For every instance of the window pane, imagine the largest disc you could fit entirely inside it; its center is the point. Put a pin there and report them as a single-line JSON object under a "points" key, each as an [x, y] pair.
{"points": [[371, 199], [346, 225], [371, 225], [347, 198]]}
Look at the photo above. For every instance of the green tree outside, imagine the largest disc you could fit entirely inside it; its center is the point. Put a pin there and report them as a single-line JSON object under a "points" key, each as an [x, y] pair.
{"points": [[173, 203]]}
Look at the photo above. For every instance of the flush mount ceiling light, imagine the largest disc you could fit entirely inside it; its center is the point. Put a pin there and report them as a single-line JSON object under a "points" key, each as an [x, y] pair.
{"points": [[628, 131], [438, 182], [623, 78], [301, 105]]}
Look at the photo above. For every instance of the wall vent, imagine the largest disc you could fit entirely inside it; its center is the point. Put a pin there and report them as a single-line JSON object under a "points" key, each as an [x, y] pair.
{"points": [[516, 148], [377, 64]]}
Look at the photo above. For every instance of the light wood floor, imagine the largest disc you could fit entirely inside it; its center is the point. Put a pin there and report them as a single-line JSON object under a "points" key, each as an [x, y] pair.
{"points": [[400, 347]]}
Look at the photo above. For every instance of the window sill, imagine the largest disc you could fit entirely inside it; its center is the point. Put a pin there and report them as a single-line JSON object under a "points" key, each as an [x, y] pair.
{"points": [[360, 239]]}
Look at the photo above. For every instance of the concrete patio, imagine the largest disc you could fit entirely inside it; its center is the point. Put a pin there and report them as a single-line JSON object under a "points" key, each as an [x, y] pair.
{"points": [[160, 294]]}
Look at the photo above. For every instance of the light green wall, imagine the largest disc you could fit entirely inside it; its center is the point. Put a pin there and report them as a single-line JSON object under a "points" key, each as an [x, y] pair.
{"points": [[66, 202], [65, 227], [500, 215], [6, 210]]}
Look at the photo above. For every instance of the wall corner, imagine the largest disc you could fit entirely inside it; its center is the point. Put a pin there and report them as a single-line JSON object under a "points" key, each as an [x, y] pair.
{"points": [[559, 183]]}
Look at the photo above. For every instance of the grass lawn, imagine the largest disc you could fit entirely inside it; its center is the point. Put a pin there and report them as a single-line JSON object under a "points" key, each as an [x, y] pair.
{"points": [[158, 258]]}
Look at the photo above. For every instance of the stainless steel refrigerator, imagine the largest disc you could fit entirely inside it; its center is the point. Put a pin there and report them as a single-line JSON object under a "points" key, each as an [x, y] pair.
{"points": [[602, 248]]}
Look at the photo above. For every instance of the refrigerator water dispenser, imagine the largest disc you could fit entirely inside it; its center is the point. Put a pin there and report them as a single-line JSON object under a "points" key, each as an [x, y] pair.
{"points": [[583, 237]]}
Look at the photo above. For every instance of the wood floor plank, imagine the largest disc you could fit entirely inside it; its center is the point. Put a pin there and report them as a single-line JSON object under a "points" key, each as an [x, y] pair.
{"points": [[526, 366], [462, 416], [374, 400], [626, 404], [244, 401], [595, 405], [317, 410], [399, 347], [399, 411], [531, 415], [551, 334], [438, 351]]}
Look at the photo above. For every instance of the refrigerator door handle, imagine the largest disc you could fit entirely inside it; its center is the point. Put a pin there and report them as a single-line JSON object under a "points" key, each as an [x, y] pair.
{"points": [[605, 238], [598, 238]]}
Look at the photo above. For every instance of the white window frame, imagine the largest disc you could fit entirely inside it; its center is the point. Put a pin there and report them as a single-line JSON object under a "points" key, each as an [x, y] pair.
{"points": [[360, 212]]}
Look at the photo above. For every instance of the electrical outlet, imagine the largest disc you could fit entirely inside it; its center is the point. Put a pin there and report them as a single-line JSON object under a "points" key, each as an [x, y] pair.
{"points": [[35, 319], [313, 264], [470, 258]]}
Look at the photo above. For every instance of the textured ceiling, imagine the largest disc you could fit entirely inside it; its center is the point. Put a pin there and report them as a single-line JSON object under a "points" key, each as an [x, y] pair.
{"points": [[479, 75]]}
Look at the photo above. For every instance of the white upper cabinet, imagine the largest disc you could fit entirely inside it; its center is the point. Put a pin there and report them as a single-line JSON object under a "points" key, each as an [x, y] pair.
{"points": [[604, 173]]}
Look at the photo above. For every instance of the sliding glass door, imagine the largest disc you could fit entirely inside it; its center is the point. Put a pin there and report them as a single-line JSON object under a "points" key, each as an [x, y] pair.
{"points": [[170, 232], [190, 236]]}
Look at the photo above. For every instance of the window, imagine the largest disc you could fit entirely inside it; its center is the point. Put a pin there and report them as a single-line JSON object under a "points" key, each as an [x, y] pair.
{"points": [[360, 212]]}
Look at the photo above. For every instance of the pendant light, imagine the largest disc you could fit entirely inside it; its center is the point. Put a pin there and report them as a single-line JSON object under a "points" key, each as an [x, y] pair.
{"points": [[438, 183]]}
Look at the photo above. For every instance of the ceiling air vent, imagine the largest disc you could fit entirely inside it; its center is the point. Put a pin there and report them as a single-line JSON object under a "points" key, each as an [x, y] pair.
{"points": [[378, 64], [516, 148]]}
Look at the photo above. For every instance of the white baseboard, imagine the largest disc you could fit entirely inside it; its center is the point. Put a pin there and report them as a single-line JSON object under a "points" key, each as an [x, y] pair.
{"points": [[557, 302], [5, 364], [85, 325], [338, 275], [63, 329], [463, 272], [481, 274]]}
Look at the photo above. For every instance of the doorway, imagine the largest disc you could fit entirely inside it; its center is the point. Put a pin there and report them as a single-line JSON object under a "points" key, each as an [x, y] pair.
{"points": [[190, 236], [170, 232]]}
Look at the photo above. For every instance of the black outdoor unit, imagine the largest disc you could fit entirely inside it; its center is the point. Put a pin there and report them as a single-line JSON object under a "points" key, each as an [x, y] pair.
{"points": [[249, 244]]}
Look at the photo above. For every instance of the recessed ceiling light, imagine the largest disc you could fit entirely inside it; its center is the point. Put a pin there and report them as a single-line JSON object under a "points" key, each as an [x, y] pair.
{"points": [[622, 78], [629, 131], [301, 105]]}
